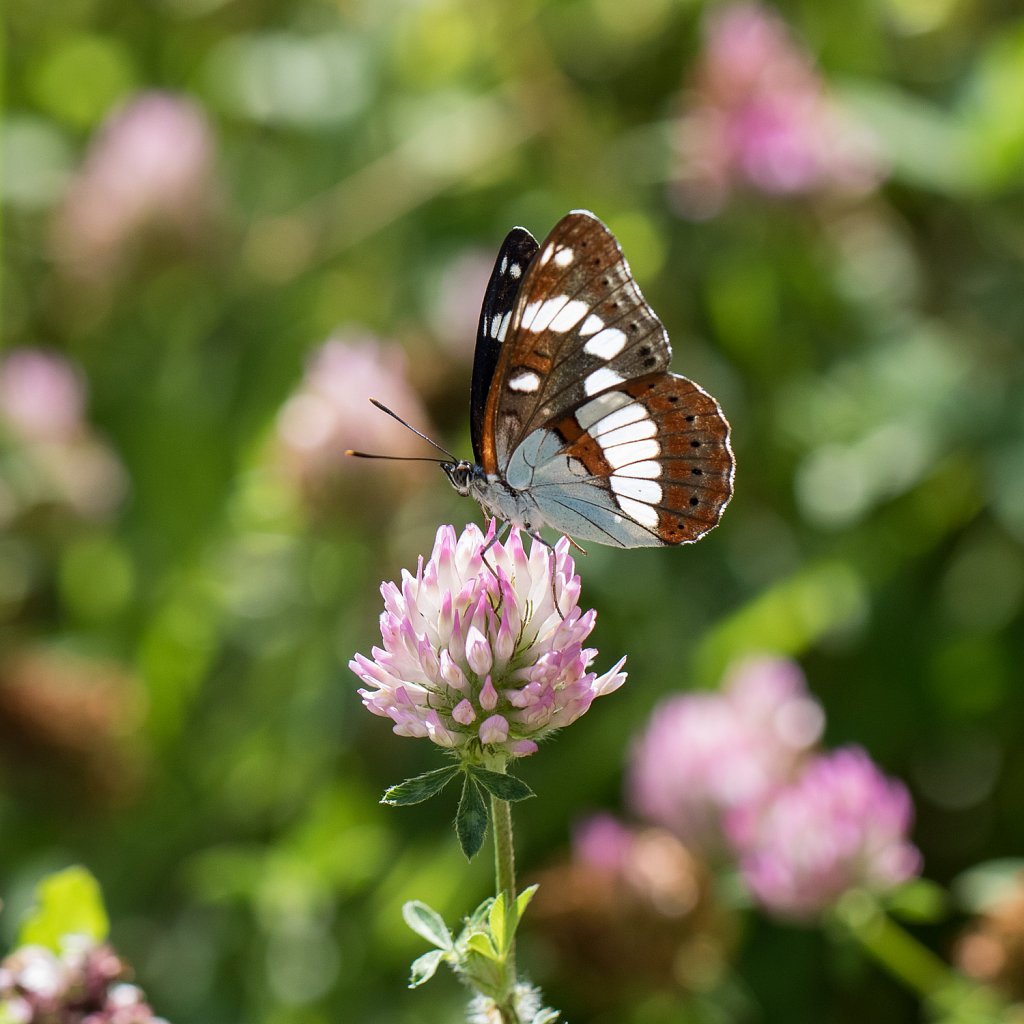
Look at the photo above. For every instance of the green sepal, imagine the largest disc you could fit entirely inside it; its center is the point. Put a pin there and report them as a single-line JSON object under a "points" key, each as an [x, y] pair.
{"points": [[420, 787], [497, 922], [471, 819], [423, 967], [523, 899], [480, 915], [428, 924], [480, 942], [67, 903], [504, 787]]}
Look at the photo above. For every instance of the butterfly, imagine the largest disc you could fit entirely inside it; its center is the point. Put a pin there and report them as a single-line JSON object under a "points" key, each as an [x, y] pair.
{"points": [[576, 422]]}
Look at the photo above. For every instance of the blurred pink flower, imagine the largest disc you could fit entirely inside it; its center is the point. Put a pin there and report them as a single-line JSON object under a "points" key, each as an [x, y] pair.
{"points": [[58, 458], [330, 413], [41, 396], [759, 117], [633, 911], [602, 841], [477, 655], [841, 825], [151, 167], [83, 985], [456, 307], [704, 754]]}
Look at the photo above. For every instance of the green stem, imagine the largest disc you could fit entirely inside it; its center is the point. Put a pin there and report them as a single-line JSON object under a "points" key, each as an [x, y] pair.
{"points": [[505, 865], [898, 952], [903, 956]]}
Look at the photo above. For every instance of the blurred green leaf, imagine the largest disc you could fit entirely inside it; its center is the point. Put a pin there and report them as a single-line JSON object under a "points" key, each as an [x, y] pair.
{"points": [[66, 903], [82, 76], [919, 901], [988, 884], [96, 578], [926, 146]]}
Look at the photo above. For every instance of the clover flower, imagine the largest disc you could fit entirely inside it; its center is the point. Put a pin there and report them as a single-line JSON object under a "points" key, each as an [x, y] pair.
{"points": [[150, 167], [631, 910], [319, 420], [49, 453], [841, 825], [704, 754], [761, 118], [81, 985], [484, 655]]}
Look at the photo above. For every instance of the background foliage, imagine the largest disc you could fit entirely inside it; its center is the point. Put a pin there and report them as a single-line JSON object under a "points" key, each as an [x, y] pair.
{"points": [[179, 596]]}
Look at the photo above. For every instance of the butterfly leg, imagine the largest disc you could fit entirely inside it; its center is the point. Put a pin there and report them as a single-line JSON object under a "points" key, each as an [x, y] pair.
{"points": [[499, 535], [579, 547], [535, 535]]}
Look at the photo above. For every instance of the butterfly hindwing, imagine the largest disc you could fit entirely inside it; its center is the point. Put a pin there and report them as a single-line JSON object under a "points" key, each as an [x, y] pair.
{"points": [[506, 278], [643, 463]]}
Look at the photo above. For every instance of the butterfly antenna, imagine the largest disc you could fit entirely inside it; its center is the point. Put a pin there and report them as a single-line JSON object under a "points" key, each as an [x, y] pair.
{"points": [[402, 458]]}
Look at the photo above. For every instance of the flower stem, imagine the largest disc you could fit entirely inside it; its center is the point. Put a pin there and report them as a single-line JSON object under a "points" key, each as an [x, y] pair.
{"points": [[505, 865], [952, 996]]}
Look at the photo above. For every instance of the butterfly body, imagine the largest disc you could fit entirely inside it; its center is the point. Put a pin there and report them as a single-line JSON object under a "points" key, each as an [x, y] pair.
{"points": [[494, 495], [576, 422]]}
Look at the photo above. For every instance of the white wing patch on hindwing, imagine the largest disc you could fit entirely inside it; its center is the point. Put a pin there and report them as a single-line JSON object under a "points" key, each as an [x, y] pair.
{"points": [[596, 409], [632, 412], [645, 515], [648, 491], [619, 455]]}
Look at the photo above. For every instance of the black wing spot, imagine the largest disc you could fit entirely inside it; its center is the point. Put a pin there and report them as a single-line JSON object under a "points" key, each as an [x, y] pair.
{"points": [[651, 361], [696, 472], [694, 501], [675, 398], [645, 350], [633, 326], [691, 417], [695, 444]]}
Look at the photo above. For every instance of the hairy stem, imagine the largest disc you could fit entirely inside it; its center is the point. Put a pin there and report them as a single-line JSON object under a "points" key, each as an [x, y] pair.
{"points": [[504, 864]]}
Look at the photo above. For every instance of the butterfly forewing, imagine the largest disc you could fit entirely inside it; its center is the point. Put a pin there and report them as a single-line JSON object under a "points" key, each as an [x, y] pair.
{"points": [[580, 325], [583, 415], [495, 315]]}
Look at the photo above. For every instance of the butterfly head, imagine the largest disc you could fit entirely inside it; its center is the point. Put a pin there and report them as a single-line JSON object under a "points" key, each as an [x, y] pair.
{"points": [[461, 474]]}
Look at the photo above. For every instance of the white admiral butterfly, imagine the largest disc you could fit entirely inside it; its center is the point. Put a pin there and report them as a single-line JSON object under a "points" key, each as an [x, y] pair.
{"points": [[576, 422]]}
